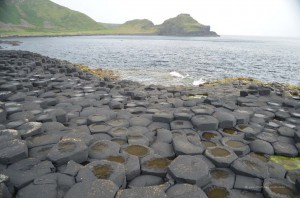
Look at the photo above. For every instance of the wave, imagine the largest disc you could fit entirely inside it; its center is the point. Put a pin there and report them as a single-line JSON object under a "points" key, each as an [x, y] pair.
{"points": [[176, 74], [199, 82]]}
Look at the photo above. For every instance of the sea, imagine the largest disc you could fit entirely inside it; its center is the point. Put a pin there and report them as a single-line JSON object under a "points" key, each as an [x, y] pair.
{"points": [[167, 60]]}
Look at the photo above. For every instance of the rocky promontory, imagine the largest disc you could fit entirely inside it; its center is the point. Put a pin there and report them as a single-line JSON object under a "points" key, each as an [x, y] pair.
{"points": [[184, 25], [65, 132]]}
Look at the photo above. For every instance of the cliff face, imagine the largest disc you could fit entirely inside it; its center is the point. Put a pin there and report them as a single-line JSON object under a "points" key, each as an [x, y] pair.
{"points": [[184, 25]]}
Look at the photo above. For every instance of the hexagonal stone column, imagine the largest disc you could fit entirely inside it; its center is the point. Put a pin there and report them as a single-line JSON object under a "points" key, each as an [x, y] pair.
{"points": [[182, 146], [149, 192], [137, 150], [221, 156], [250, 166], [68, 149], [278, 188], [190, 169], [130, 162], [102, 169], [205, 122], [239, 146], [29, 129], [12, 151], [218, 191], [285, 149], [185, 190], [226, 120], [103, 148], [155, 165], [93, 189], [222, 177]]}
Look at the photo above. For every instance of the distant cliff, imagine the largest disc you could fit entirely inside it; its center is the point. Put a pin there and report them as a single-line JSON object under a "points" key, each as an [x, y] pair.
{"points": [[43, 17], [184, 25]]}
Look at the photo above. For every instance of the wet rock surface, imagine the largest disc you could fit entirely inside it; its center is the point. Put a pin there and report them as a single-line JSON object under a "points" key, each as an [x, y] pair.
{"points": [[67, 133]]}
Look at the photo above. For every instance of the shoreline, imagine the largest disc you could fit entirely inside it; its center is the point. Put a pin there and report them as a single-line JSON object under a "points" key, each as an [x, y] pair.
{"points": [[65, 131], [65, 35]]}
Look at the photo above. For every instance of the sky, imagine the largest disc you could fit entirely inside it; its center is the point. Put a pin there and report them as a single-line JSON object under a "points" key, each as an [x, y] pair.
{"points": [[226, 17]]}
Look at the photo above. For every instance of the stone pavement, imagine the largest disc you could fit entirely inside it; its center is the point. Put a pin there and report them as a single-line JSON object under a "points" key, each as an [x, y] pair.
{"points": [[67, 133]]}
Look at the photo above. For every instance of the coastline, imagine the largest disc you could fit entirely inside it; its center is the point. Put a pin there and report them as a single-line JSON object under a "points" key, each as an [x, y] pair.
{"points": [[60, 122]]}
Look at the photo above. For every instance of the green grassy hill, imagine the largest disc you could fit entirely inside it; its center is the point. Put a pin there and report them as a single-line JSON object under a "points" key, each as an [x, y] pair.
{"points": [[42, 16], [184, 25], [137, 26]]}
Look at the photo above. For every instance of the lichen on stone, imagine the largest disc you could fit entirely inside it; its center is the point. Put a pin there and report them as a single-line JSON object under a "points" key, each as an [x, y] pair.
{"points": [[158, 163], [64, 147], [137, 150], [102, 171], [289, 163]]}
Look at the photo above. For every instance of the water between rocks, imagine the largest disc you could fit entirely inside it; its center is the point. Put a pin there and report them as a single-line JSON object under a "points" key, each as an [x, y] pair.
{"points": [[176, 60]]}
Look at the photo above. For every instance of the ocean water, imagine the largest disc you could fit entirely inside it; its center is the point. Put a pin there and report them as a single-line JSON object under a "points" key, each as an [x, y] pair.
{"points": [[176, 60]]}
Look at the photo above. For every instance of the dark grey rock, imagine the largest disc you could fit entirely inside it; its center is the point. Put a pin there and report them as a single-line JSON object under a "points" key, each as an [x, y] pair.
{"points": [[42, 140], [68, 149], [261, 146], [40, 152], [249, 166], [102, 149], [292, 175], [72, 168], [146, 180], [278, 188], [221, 156], [29, 129], [190, 169], [137, 192], [238, 146], [4, 191], [102, 169], [226, 120], [118, 132], [93, 189], [181, 124], [222, 177], [246, 194], [285, 149], [118, 123], [131, 163], [276, 170], [25, 171], [50, 185], [286, 131], [219, 191], [248, 183], [155, 165], [12, 151], [99, 128], [3, 115], [163, 149], [97, 119], [161, 116], [139, 121], [185, 190], [203, 110], [268, 136], [182, 146], [205, 122]]}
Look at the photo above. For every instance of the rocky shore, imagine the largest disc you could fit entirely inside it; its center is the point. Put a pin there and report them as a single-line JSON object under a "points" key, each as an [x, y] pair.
{"points": [[65, 132]]}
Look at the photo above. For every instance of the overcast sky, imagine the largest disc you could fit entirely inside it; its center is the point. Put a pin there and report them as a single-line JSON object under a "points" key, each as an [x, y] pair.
{"points": [[226, 17]]}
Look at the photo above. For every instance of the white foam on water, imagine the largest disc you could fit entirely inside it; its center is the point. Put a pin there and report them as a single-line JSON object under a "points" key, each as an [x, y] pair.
{"points": [[199, 82], [176, 74]]}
